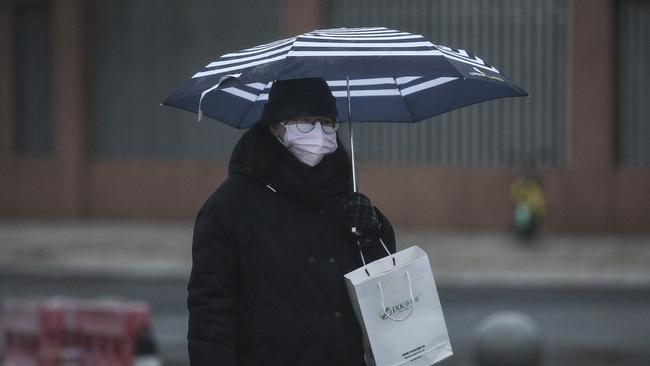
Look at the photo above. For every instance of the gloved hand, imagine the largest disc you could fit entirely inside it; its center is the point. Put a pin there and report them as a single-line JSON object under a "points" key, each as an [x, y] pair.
{"points": [[361, 216]]}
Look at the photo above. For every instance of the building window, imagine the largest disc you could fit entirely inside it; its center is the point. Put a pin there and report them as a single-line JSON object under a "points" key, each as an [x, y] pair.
{"points": [[633, 79], [34, 132]]}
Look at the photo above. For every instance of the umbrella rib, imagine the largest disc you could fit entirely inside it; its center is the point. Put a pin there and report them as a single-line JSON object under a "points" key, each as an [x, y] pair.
{"points": [[408, 106], [248, 109], [210, 89]]}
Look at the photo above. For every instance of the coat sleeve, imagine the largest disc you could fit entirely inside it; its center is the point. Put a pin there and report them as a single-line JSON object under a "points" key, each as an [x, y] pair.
{"points": [[212, 298], [376, 250]]}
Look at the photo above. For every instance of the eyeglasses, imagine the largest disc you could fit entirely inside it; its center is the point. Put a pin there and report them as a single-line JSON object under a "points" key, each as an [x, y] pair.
{"points": [[306, 125]]}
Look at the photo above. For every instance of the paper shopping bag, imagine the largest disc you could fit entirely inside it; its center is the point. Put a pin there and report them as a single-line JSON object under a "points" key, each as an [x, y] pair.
{"points": [[397, 305]]}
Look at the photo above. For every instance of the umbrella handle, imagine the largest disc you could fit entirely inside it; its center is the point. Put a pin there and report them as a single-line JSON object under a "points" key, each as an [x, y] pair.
{"points": [[354, 170]]}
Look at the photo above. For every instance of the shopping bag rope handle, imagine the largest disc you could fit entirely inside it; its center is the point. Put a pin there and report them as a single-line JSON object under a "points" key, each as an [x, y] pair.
{"points": [[363, 259], [412, 303]]}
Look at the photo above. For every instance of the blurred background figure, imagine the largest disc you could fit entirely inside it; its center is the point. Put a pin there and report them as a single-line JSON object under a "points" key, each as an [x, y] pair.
{"points": [[100, 184], [529, 206]]}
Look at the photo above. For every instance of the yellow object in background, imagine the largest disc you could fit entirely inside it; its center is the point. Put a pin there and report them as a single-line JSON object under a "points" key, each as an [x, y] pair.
{"points": [[526, 191]]}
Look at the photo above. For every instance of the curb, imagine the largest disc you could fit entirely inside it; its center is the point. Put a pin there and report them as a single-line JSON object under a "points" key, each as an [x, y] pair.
{"points": [[511, 280]]}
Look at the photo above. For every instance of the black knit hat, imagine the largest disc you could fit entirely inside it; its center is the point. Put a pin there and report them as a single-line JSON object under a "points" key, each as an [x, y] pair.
{"points": [[294, 98]]}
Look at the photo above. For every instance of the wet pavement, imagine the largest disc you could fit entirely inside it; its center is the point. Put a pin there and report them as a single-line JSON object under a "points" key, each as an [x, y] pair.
{"points": [[162, 249]]}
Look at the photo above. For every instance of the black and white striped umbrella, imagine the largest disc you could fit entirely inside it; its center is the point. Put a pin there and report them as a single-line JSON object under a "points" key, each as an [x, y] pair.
{"points": [[380, 74]]}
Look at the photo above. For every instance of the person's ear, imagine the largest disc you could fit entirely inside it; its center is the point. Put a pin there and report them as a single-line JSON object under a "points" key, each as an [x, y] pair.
{"points": [[277, 130]]}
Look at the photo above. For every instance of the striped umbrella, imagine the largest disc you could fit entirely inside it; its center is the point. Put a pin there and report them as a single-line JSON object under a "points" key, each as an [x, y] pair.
{"points": [[376, 74], [379, 74]]}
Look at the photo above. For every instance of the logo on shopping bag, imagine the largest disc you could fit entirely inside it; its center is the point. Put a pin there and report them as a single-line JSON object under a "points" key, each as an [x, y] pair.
{"points": [[397, 309]]}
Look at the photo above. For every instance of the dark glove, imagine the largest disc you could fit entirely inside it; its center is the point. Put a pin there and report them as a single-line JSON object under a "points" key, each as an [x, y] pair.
{"points": [[361, 218]]}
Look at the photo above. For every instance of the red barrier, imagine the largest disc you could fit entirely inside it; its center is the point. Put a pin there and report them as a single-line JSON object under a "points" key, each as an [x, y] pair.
{"points": [[34, 332], [107, 331], [22, 330], [58, 332]]}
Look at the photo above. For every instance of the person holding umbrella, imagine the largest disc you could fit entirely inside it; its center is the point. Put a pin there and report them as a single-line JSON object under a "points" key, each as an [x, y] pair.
{"points": [[272, 243]]}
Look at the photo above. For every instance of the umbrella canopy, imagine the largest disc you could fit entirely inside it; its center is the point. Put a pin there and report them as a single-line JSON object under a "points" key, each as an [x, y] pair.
{"points": [[381, 74]]}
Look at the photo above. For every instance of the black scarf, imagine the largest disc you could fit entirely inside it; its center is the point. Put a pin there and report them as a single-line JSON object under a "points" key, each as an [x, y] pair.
{"points": [[260, 155]]}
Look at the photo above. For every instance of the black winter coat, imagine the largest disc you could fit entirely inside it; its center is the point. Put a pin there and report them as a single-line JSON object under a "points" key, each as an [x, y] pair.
{"points": [[269, 254]]}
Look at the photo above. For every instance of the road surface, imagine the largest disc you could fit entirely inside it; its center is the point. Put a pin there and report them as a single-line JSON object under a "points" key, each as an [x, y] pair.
{"points": [[594, 327]]}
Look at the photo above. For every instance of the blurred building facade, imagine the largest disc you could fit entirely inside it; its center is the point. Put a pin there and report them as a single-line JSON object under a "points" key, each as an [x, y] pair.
{"points": [[82, 134]]}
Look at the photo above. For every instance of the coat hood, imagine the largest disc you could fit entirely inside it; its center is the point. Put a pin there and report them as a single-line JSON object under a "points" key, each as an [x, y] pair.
{"points": [[260, 156]]}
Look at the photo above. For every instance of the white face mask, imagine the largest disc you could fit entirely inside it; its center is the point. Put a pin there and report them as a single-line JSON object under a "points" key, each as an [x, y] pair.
{"points": [[310, 147]]}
